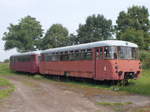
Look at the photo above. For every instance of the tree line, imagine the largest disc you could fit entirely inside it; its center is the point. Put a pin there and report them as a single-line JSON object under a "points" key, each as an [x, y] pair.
{"points": [[132, 25]]}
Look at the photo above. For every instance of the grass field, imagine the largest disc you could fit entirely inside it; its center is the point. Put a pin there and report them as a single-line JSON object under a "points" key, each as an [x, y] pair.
{"points": [[140, 86], [4, 69]]}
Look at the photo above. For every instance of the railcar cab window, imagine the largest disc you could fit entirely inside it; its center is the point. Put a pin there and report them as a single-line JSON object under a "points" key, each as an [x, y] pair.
{"points": [[127, 52], [135, 53], [21, 59], [24, 58], [120, 52]]}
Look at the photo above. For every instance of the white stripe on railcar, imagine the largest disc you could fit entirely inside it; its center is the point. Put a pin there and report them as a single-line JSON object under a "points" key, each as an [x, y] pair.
{"points": [[91, 45]]}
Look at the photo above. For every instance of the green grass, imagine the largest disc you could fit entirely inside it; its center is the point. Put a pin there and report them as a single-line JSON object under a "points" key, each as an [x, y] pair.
{"points": [[37, 76], [6, 88], [143, 110], [4, 69], [114, 103], [116, 106], [139, 86], [4, 82]]}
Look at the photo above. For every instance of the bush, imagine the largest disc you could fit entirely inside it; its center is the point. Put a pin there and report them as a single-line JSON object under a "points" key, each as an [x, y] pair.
{"points": [[37, 76], [145, 58]]}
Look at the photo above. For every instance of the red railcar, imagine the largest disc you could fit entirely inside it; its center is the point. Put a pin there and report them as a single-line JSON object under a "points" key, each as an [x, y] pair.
{"points": [[103, 60], [25, 62]]}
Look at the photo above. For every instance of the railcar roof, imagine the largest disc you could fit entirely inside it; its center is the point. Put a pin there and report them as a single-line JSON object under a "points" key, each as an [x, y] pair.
{"points": [[91, 45], [27, 53]]}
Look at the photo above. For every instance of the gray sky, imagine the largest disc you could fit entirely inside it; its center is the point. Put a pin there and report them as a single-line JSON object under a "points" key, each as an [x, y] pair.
{"points": [[69, 13]]}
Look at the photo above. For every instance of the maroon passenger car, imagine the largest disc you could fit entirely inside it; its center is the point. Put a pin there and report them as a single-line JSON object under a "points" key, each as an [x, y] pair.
{"points": [[25, 62]]}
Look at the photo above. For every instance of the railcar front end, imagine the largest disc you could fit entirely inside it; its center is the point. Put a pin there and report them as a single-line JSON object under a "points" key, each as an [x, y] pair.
{"points": [[117, 63], [25, 63]]}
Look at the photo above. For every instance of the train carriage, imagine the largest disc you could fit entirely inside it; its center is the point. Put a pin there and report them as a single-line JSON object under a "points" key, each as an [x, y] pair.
{"points": [[25, 62], [102, 60]]}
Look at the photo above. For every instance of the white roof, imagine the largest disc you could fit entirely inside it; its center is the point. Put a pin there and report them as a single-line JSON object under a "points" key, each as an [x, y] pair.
{"points": [[91, 45], [27, 53]]}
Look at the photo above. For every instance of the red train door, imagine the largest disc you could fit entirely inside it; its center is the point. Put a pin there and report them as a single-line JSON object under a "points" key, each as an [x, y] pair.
{"points": [[99, 64]]}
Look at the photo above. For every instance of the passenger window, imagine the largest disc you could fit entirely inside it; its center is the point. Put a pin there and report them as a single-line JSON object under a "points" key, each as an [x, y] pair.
{"points": [[82, 54], [54, 58], [43, 57], [77, 55], [64, 56], [88, 54], [39, 58], [71, 57], [47, 58], [32, 58]]}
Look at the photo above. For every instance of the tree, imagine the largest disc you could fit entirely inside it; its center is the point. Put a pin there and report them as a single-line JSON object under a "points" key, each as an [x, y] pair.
{"points": [[56, 36], [24, 36], [136, 19], [96, 28], [134, 36], [6, 61], [73, 39]]}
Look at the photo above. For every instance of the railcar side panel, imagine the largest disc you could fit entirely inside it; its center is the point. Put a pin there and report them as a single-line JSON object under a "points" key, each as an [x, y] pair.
{"points": [[84, 68], [104, 70], [24, 67]]}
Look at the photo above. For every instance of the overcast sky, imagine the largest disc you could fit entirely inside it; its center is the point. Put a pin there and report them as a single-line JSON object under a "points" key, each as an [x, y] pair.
{"points": [[70, 13]]}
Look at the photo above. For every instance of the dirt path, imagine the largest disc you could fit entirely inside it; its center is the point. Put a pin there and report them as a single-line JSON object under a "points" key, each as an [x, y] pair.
{"points": [[44, 96], [36, 96]]}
